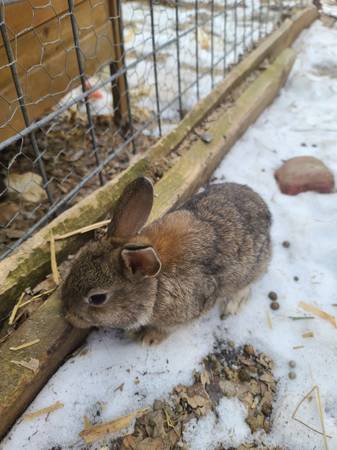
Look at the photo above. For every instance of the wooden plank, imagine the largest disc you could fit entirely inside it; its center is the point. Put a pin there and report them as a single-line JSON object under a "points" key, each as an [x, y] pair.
{"points": [[25, 15], [47, 65], [18, 386], [37, 46], [30, 263]]}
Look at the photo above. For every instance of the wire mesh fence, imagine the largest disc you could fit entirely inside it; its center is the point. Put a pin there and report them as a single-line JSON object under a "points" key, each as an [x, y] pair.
{"points": [[86, 84]]}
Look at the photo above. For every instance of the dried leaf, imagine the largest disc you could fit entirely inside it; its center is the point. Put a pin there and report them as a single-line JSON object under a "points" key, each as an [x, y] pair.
{"points": [[318, 312], [43, 411], [32, 364], [151, 444], [203, 39], [96, 432], [28, 185], [195, 396], [204, 378]]}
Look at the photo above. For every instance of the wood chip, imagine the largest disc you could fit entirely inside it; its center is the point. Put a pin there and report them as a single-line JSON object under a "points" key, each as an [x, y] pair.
{"points": [[32, 364], [54, 268], [27, 344], [318, 312], [82, 230], [43, 411], [95, 432], [308, 334], [15, 309]]}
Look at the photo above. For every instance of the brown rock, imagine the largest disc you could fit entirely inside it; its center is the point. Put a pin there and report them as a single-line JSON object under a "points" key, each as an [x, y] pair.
{"points": [[304, 173]]}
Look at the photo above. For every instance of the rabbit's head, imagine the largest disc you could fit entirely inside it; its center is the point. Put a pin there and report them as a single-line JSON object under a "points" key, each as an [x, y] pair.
{"points": [[113, 282]]}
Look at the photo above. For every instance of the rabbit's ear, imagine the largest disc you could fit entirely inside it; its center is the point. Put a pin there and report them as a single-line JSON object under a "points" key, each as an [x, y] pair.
{"points": [[133, 209], [143, 261]]}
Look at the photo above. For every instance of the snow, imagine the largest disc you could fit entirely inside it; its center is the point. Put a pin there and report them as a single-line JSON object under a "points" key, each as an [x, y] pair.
{"points": [[301, 121], [243, 26], [229, 427]]}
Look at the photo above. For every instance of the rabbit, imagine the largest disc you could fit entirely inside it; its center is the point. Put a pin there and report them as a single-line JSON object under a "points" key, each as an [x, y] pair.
{"points": [[148, 280]]}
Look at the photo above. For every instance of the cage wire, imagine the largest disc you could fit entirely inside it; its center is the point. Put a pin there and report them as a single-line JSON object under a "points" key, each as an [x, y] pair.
{"points": [[86, 84]]}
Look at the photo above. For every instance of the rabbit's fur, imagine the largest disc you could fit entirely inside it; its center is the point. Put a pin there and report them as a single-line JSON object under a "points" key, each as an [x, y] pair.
{"points": [[173, 270]]}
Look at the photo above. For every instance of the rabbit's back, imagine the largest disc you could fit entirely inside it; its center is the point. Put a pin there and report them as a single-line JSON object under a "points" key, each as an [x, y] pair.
{"points": [[240, 221]]}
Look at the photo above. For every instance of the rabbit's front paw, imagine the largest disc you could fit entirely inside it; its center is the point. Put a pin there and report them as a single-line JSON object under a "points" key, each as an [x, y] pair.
{"points": [[151, 335]]}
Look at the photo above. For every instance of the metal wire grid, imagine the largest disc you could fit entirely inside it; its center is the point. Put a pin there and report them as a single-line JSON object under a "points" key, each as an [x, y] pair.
{"points": [[167, 55]]}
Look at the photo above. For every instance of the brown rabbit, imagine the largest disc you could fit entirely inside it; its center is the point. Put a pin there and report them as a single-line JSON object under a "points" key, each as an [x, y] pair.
{"points": [[173, 270]]}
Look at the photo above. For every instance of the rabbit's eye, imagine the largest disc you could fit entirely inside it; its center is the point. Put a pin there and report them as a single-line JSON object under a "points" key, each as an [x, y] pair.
{"points": [[97, 299]]}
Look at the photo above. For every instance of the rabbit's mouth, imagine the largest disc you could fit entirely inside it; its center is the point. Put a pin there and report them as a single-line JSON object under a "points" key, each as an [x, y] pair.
{"points": [[77, 321]]}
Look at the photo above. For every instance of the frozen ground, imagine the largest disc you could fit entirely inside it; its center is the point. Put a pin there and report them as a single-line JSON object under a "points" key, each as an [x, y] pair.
{"points": [[303, 120]]}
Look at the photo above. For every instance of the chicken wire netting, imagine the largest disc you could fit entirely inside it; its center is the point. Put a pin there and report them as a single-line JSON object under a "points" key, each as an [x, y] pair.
{"points": [[87, 84]]}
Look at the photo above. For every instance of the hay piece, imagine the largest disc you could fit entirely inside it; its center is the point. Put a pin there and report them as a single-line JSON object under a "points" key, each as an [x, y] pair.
{"points": [[41, 412], [36, 297], [32, 364], [27, 344], [4, 338], [308, 334], [269, 322], [300, 317], [87, 422], [54, 268], [96, 432], [321, 418], [83, 230], [15, 309], [119, 388], [318, 398], [318, 312], [297, 347]]}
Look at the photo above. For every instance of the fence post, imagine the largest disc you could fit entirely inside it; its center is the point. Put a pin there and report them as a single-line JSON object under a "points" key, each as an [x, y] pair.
{"points": [[120, 94]]}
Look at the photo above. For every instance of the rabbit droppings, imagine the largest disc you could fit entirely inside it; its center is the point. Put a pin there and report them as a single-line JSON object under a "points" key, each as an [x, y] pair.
{"points": [[173, 270]]}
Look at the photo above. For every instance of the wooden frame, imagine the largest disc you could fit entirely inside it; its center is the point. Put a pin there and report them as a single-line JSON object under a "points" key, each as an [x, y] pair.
{"points": [[42, 42]]}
